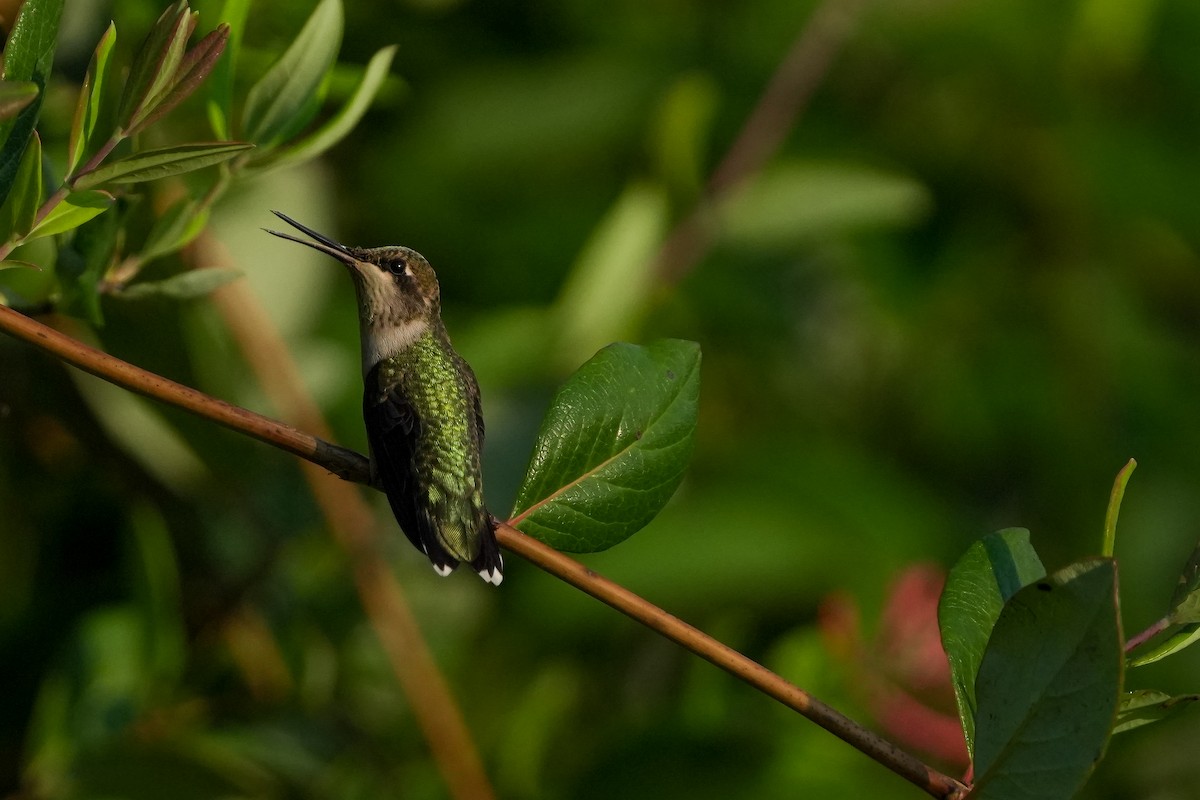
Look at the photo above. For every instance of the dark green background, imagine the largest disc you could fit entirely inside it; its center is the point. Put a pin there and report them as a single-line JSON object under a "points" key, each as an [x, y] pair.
{"points": [[959, 299]]}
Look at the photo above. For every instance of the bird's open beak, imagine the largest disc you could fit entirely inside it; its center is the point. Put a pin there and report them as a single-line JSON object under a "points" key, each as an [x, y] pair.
{"points": [[322, 243]]}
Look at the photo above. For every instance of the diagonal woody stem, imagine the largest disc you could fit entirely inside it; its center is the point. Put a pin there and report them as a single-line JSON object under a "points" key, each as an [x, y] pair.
{"points": [[354, 467]]}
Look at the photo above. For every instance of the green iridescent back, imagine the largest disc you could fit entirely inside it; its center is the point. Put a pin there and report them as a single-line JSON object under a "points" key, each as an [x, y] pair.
{"points": [[442, 391]]}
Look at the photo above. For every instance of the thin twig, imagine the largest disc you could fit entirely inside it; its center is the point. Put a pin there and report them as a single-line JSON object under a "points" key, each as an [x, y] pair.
{"points": [[354, 467], [782, 102]]}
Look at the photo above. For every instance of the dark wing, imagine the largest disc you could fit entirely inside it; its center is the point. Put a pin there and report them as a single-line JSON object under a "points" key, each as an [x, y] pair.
{"points": [[392, 431]]}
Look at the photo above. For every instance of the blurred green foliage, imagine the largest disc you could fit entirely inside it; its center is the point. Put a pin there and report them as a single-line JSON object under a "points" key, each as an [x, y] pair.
{"points": [[959, 299]]}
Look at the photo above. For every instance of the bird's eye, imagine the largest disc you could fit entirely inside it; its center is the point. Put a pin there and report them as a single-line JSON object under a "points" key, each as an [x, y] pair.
{"points": [[398, 267]]}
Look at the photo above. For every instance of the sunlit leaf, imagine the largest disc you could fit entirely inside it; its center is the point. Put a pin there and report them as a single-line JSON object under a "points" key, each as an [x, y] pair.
{"points": [[186, 285], [20, 209], [91, 98], [1145, 706], [613, 446], [154, 164], [28, 56], [1048, 685], [284, 99], [346, 118], [992, 570], [75, 209], [14, 96]]}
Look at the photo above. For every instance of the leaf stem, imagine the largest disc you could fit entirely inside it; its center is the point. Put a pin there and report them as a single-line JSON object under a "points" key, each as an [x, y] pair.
{"points": [[1149, 633], [354, 467], [62, 191]]}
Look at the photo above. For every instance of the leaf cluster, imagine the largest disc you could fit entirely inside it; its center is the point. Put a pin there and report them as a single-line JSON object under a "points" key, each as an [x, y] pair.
{"points": [[159, 194], [1038, 662]]}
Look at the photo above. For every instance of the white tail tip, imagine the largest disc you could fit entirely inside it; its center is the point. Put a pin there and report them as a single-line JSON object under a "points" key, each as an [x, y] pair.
{"points": [[492, 576]]}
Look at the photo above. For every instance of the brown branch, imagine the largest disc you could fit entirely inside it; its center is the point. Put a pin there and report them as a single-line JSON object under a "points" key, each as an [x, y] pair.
{"points": [[352, 466]]}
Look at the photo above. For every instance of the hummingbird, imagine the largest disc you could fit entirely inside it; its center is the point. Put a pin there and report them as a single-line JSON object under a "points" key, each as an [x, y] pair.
{"points": [[420, 406]]}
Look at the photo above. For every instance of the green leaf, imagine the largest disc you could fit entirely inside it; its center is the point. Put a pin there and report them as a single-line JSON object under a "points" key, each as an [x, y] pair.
{"points": [[28, 56], [1184, 613], [1048, 685], [1180, 639], [156, 63], [991, 571], [154, 164], [20, 209], [83, 261], [610, 284], [91, 98], [613, 446], [1185, 602], [14, 96], [220, 84], [75, 209], [795, 201], [285, 98], [341, 123], [184, 286], [1145, 706], [177, 226], [195, 67]]}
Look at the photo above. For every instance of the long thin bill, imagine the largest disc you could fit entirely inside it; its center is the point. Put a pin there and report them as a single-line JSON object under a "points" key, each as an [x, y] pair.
{"points": [[322, 243]]}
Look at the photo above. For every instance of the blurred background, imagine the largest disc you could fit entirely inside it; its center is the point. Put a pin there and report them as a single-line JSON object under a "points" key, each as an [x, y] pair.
{"points": [[961, 293]]}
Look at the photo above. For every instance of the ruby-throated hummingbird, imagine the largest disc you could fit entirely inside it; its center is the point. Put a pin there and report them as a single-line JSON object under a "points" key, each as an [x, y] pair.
{"points": [[421, 406]]}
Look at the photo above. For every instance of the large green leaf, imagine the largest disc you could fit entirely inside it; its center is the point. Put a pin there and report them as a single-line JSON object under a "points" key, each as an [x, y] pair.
{"points": [[1048, 685], [613, 446], [28, 56], [154, 164], [992, 570], [284, 99]]}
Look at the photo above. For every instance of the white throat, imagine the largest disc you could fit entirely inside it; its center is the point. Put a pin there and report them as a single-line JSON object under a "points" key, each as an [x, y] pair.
{"points": [[380, 344]]}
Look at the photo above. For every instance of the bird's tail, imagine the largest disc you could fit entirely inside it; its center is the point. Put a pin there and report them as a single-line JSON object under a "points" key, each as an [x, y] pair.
{"points": [[489, 563]]}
